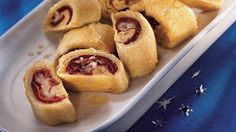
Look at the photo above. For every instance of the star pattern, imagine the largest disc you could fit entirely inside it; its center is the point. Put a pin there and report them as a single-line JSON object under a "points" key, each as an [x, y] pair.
{"points": [[196, 74], [164, 103], [200, 90], [185, 109], [159, 123]]}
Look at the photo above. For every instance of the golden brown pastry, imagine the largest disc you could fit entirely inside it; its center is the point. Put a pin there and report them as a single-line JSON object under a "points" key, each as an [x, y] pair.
{"points": [[135, 43], [68, 14], [98, 36], [47, 96], [206, 5], [91, 70], [172, 21], [139, 6], [113, 6]]}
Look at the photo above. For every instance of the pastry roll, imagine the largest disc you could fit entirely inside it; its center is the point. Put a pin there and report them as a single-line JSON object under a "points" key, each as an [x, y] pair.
{"points": [[113, 6], [68, 14], [172, 21], [98, 36], [139, 6], [135, 43], [47, 96], [205, 5], [91, 70]]}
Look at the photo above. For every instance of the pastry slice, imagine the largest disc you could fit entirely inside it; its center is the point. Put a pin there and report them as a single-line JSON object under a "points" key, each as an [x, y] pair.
{"points": [[47, 96], [68, 14], [113, 6], [135, 43], [91, 70], [206, 5], [98, 36], [172, 21]]}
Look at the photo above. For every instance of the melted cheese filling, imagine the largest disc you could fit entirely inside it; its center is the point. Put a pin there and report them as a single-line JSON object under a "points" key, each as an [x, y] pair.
{"points": [[47, 90], [124, 36]]}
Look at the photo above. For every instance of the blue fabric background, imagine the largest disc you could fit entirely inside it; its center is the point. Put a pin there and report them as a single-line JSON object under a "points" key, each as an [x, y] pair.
{"points": [[213, 111], [12, 11]]}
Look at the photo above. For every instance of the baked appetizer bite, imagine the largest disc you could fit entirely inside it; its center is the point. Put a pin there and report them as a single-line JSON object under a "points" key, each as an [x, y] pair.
{"points": [[206, 5], [135, 43], [113, 6], [47, 96], [68, 14], [91, 70], [172, 21], [98, 36]]}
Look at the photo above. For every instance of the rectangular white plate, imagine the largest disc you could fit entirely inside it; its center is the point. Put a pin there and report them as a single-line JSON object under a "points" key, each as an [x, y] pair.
{"points": [[27, 35]]}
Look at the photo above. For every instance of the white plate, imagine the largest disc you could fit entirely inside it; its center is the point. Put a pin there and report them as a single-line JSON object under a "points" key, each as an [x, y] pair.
{"points": [[27, 35]]}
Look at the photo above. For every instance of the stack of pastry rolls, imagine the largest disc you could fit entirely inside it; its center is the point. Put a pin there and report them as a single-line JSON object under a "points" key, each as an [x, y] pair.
{"points": [[96, 57]]}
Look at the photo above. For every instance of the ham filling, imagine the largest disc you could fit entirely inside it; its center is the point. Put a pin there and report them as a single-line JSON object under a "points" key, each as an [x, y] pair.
{"points": [[128, 30], [91, 64], [44, 87], [59, 15]]}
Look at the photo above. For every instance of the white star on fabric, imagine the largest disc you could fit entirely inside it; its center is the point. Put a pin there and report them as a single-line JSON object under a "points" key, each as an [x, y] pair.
{"points": [[200, 90], [185, 109], [159, 123], [164, 103], [196, 74]]}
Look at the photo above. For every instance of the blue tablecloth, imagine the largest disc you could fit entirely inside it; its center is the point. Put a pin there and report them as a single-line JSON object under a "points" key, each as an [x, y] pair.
{"points": [[213, 109], [12, 11]]}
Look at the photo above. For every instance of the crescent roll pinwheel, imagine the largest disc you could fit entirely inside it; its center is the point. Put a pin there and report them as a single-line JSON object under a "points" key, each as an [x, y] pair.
{"points": [[92, 70], [68, 14], [98, 36], [173, 22], [47, 96], [135, 43], [206, 5]]}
